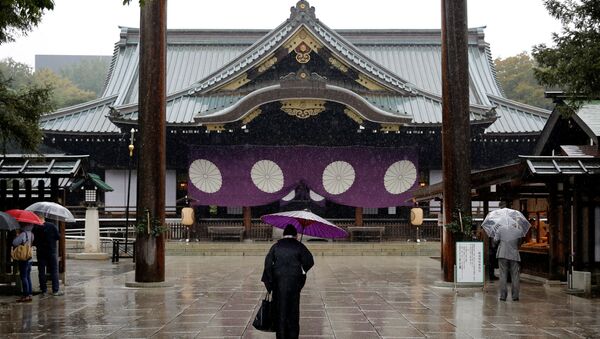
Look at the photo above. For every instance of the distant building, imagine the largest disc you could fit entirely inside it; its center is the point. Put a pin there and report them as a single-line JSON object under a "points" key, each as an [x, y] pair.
{"points": [[57, 62]]}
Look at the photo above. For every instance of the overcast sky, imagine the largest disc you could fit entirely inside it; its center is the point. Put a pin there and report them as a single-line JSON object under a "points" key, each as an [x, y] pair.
{"points": [[91, 27]]}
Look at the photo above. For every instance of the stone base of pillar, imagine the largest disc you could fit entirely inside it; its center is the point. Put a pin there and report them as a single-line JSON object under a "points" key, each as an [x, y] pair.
{"points": [[91, 256], [158, 284]]}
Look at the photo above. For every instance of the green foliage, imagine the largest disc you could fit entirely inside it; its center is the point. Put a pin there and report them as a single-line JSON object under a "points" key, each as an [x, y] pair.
{"points": [[22, 102], [153, 227], [64, 92], [461, 231], [20, 16], [515, 74], [88, 75], [573, 64]]}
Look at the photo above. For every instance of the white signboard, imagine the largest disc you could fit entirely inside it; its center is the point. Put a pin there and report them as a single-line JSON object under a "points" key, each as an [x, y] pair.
{"points": [[469, 262]]}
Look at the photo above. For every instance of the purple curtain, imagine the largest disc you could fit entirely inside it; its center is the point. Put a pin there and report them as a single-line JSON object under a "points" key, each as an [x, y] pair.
{"points": [[258, 175]]}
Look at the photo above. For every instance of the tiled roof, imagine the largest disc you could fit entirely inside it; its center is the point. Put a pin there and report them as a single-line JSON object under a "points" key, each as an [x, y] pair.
{"points": [[515, 117], [197, 60], [90, 117], [589, 113]]}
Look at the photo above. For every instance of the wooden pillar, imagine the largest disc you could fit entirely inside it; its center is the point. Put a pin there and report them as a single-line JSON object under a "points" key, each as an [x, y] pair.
{"points": [[358, 216], [150, 250], [456, 151], [247, 218], [54, 189], [41, 187], [3, 191], [28, 193], [16, 197]]}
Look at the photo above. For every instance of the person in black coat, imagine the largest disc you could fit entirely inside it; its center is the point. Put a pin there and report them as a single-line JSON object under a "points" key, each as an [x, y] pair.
{"points": [[285, 270], [46, 241]]}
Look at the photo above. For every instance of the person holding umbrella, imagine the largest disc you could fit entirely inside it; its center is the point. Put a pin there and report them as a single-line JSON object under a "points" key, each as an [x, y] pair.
{"points": [[284, 274], [46, 238], [507, 227], [25, 237]]}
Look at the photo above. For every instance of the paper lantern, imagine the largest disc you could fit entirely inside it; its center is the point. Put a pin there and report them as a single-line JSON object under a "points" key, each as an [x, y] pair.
{"points": [[416, 216]]}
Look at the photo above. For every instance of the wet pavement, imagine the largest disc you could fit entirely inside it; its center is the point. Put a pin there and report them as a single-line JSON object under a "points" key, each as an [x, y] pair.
{"points": [[344, 297]]}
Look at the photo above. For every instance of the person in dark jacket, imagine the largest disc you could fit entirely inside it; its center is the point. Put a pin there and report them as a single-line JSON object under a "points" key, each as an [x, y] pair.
{"points": [[286, 266], [46, 240]]}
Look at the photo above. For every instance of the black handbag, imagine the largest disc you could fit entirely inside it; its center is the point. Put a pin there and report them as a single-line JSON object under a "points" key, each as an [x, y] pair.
{"points": [[264, 316]]}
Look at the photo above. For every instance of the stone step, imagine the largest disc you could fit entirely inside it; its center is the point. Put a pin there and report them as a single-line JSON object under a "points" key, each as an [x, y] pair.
{"points": [[318, 249]]}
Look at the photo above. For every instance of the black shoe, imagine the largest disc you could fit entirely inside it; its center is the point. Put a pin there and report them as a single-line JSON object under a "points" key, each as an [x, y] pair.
{"points": [[502, 299], [515, 299]]}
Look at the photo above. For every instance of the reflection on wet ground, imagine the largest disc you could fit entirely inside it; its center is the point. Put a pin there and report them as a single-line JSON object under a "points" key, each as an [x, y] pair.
{"points": [[344, 297]]}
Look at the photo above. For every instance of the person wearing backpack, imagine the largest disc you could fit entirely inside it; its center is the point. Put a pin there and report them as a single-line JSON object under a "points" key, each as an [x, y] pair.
{"points": [[25, 238]]}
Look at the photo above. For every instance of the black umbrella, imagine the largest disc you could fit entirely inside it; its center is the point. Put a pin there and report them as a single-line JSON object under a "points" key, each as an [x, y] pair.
{"points": [[8, 222]]}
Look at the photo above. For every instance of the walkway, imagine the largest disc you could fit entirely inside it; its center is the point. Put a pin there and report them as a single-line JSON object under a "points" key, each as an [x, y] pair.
{"points": [[345, 297]]}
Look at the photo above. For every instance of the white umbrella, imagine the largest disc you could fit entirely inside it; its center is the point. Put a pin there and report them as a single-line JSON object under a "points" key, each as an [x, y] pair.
{"points": [[505, 222], [51, 210]]}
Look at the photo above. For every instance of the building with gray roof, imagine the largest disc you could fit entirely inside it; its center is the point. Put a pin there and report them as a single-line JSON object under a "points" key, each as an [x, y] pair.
{"points": [[301, 83]]}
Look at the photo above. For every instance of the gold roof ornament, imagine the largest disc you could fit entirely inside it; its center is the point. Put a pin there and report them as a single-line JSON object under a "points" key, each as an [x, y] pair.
{"points": [[390, 128], [215, 127], [303, 109], [302, 53], [353, 115], [251, 116]]}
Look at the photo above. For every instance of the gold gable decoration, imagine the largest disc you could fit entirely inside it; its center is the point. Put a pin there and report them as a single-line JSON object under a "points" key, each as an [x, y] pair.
{"points": [[303, 36], [368, 83], [251, 116], [267, 64], [390, 128], [338, 64], [302, 53], [353, 115], [303, 109], [215, 127], [236, 83]]}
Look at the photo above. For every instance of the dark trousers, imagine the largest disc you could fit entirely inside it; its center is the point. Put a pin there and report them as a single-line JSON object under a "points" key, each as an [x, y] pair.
{"points": [[25, 274], [513, 268], [286, 299], [51, 263]]}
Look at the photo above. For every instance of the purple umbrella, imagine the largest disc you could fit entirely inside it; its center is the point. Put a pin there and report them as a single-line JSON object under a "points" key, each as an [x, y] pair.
{"points": [[305, 222]]}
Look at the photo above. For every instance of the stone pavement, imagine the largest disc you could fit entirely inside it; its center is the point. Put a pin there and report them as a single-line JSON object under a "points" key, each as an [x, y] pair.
{"points": [[344, 297]]}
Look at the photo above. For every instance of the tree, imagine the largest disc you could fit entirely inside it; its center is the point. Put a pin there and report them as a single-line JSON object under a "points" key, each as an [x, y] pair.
{"points": [[515, 74], [21, 108], [63, 92], [20, 16], [573, 64], [89, 75]]}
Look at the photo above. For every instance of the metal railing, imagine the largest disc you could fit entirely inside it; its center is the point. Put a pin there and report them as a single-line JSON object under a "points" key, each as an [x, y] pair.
{"points": [[395, 230]]}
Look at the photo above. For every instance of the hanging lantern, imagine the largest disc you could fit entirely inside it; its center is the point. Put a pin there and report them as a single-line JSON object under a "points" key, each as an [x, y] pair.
{"points": [[416, 216]]}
